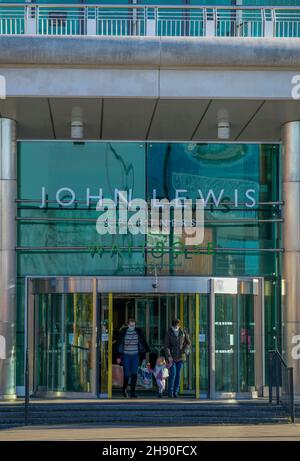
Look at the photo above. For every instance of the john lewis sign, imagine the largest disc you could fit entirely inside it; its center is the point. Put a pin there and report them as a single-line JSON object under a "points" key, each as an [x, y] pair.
{"points": [[66, 197]]}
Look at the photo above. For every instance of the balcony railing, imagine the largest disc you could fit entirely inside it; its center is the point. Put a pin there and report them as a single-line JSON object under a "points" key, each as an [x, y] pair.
{"points": [[142, 20]]}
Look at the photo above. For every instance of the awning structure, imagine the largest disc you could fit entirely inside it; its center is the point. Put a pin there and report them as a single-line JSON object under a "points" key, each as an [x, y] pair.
{"points": [[150, 88]]}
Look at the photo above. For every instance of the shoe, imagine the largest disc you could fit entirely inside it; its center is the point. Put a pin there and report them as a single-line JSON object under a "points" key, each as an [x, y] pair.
{"points": [[133, 395], [175, 396], [170, 396], [125, 393], [159, 395]]}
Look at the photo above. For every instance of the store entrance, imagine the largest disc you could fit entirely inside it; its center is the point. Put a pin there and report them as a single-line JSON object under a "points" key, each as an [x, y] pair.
{"points": [[72, 325], [154, 315]]}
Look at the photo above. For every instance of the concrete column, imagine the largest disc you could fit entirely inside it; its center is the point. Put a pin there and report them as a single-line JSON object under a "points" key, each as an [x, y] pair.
{"points": [[291, 244], [8, 195]]}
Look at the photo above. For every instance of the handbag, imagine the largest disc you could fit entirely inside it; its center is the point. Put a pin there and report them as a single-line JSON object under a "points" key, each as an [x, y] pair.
{"points": [[117, 375]]}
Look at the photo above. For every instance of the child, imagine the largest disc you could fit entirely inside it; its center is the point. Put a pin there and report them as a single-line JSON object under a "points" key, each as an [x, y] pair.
{"points": [[160, 373]]}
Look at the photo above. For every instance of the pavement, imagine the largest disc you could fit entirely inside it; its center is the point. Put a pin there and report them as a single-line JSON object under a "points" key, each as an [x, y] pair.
{"points": [[286, 432]]}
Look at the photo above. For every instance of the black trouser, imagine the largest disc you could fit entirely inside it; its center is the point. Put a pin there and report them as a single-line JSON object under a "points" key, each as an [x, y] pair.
{"points": [[133, 384]]}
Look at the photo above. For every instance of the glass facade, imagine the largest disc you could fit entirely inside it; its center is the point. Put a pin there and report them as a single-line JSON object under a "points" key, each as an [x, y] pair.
{"points": [[59, 186], [57, 207]]}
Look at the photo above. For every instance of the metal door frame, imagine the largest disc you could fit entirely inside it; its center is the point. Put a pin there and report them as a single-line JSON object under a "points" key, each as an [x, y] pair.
{"points": [[146, 285]]}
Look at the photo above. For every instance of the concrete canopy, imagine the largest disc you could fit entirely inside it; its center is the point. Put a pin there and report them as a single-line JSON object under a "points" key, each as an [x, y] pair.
{"points": [[150, 88]]}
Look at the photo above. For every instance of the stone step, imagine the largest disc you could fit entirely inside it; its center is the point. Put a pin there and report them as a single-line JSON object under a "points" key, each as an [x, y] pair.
{"points": [[135, 412], [145, 411], [146, 421], [131, 404]]}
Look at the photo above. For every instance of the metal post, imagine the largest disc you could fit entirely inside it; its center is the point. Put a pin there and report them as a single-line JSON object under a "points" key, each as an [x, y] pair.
{"points": [[181, 317], [26, 358], [270, 379], [151, 23], [134, 19], [212, 342], [197, 345], [210, 18], [291, 391], [291, 243], [277, 366], [267, 24], [91, 21], [110, 334], [8, 196], [26, 403], [30, 19]]}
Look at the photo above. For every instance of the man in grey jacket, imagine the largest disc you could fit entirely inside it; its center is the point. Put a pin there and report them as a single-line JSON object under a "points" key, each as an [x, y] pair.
{"points": [[177, 347]]}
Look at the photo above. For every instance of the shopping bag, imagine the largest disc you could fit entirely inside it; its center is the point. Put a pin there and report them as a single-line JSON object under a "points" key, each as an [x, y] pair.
{"points": [[117, 375], [144, 376], [165, 373]]}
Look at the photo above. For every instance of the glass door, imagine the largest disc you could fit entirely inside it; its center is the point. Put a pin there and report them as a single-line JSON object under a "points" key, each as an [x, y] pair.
{"points": [[226, 347], [64, 343], [234, 343], [236, 335]]}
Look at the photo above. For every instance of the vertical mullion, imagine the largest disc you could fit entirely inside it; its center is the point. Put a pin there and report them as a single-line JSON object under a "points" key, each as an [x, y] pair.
{"points": [[63, 375], [197, 345], [95, 343], [181, 310], [110, 334], [212, 344]]}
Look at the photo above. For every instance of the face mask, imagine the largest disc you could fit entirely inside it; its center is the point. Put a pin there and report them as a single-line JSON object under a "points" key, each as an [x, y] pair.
{"points": [[131, 326], [175, 328]]}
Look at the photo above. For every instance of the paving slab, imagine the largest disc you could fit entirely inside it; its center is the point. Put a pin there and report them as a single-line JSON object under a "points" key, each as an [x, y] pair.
{"points": [[287, 432]]}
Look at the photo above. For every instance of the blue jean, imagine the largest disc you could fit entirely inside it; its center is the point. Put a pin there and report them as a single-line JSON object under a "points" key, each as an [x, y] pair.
{"points": [[174, 377], [130, 364]]}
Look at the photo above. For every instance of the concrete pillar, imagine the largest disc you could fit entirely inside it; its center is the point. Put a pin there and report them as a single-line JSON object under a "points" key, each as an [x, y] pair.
{"points": [[291, 244], [8, 195]]}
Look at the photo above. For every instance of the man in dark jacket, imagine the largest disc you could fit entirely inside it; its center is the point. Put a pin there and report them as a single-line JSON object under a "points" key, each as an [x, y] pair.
{"points": [[131, 346], [177, 347]]}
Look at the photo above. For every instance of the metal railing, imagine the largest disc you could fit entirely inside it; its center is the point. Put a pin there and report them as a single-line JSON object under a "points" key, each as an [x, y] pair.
{"points": [[145, 20], [281, 377]]}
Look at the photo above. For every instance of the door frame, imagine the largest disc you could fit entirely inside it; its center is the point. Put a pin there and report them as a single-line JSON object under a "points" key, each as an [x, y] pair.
{"points": [[148, 285]]}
